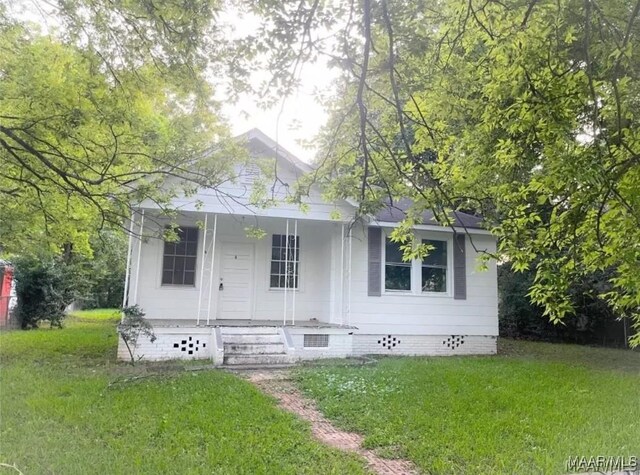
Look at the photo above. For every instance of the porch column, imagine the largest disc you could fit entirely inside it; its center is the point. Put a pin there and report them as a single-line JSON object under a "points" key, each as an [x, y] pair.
{"points": [[337, 275], [125, 296], [202, 259], [213, 254], [141, 233]]}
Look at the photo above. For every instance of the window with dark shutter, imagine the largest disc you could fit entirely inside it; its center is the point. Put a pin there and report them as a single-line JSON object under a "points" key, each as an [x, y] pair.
{"points": [[179, 258], [434, 267], [397, 271]]}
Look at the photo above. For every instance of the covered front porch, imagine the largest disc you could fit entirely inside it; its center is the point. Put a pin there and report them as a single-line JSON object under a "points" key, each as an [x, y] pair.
{"points": [[250, 275], [230, 267]]}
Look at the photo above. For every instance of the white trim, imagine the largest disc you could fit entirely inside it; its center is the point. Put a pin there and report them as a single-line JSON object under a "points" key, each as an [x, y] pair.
{"points": [[125, 296], [204, 247], [213, 253], [135, 289], [416, 269], [296, 258], [434, 227], [350, 261], [342, 306], [286, 270]]}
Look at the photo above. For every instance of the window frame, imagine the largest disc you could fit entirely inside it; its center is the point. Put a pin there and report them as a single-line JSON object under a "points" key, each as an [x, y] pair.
{"points": [[416, 267], [403, 264], [297, 275], [436, 266], [163, 255]]}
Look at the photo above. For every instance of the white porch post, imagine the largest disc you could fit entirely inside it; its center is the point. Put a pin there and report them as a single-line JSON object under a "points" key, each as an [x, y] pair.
{"points": [[135, 289], [213, 254], [286, 271], [342, 274], [349, 281], [204, 248], [295, 271], [125, 296]]}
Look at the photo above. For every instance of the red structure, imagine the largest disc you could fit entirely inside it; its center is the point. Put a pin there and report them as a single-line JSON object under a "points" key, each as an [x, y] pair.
{"points": [[6, 281]]}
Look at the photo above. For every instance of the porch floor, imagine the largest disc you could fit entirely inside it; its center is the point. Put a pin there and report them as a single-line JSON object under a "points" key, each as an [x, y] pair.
{"points": [[184, 322]]}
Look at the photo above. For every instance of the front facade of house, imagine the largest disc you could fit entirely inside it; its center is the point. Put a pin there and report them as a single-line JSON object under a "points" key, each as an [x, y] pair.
{"points": [[308, 285]]}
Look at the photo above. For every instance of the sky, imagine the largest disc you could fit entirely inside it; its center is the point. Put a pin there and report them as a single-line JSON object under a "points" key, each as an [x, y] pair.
{"points": [[294, 119]]}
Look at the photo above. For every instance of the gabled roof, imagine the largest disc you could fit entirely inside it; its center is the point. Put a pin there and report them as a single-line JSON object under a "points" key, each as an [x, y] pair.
{"points": [[258, 138], [395, 213]]}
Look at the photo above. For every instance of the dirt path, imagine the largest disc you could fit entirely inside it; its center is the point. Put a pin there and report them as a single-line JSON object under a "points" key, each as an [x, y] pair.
{"points": [[278, 384]]}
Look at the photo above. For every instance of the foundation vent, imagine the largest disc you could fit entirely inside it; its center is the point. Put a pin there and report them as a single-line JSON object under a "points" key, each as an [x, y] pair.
{"points": [[316, 341]]}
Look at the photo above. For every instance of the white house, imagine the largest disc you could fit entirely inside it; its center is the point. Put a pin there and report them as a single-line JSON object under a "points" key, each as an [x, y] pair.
{"points": [[315, 285]]}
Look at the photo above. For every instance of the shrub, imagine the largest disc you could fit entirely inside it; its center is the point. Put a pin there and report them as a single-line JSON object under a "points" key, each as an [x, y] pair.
{"points": [[45, 287], [592, 323], [133, 326]]}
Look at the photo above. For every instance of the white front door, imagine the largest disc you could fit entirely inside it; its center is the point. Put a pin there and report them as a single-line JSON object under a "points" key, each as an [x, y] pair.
{"points": [[235, 288]]}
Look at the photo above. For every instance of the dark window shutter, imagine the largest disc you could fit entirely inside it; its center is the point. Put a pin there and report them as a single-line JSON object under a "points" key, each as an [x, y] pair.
{"points": [[375, 261], [459, 267]]}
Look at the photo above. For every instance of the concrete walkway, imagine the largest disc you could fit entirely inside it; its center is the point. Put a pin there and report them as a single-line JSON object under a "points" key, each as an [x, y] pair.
{"points": [[278, 384]]}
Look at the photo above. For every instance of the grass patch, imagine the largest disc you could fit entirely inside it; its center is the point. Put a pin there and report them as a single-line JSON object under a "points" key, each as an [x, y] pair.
{"points": [[524, 411], [61, 413]]}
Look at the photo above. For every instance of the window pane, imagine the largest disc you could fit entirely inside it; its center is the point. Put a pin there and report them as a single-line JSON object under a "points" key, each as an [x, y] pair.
{"points": [[181, 248], [189, 278], [275, 240], [168, 263], [397, 277], [393, 252], [167, 277], [191, 234], [169, 247], [274, 281], [190, 264], [192, 248], [179, 266], [438, 255], [434, 279]]}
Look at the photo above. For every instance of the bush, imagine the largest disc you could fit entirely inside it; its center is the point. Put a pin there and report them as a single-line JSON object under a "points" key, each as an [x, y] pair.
{"points": [[592, 323], [132, 327], [45, 287]]}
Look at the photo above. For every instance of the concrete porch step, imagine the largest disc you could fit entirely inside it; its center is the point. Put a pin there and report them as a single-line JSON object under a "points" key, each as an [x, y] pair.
{"points": [[253, 349], [257, 360], [251, 339]]}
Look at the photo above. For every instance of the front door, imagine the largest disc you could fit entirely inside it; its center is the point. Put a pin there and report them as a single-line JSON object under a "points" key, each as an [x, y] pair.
{"points": [[235, 289]]}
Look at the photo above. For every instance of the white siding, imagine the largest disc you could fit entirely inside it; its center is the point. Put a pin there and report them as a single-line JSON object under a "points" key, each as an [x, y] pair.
{"points": [[234, 196], [427, 314], [181, 302]]}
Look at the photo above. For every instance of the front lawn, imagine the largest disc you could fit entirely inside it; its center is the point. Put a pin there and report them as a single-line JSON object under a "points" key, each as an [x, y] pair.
{"points": [[67, 407], [525, 411]]}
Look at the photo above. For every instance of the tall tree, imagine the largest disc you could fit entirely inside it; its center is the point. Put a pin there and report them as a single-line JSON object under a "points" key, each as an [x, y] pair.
{"points": [[524, 111], [108, 107]]}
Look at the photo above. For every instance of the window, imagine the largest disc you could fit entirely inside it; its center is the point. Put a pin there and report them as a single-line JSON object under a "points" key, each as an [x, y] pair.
{"points": [[397, 273], [179, 260], [419, 276], [434, 267], [285, 268]]}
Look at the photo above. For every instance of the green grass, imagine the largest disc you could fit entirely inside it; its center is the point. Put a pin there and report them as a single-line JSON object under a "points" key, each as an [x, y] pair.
{"points": [[524, 411], [67, 407]]}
